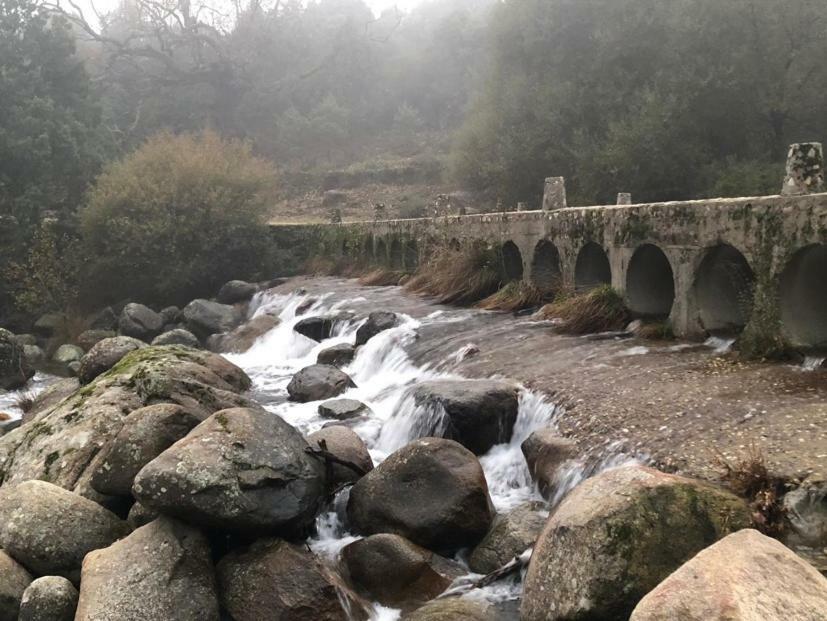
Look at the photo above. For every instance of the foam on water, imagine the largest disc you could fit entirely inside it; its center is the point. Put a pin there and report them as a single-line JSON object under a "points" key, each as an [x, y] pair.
{"points": [[9, 399]]}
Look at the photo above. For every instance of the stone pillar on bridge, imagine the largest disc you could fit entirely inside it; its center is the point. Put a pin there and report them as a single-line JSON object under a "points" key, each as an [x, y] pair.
{"points": [[805, 169], [554, 196], [624, 198]]}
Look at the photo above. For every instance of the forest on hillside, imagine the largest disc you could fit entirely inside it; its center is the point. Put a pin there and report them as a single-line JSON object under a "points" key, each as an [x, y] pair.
{"points": [[666, 100]]}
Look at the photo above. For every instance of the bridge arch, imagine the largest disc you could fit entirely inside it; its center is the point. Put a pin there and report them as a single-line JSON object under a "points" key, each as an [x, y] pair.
{"points": [[545, 266], [381, 252], [592, 268], [803, 298], [650, 283], [396, 258], [512, 262], [411, 257], [367, 248], [723, 290]]}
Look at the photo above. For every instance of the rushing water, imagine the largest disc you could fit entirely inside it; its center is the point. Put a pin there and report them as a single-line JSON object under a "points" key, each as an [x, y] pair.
{"points": [[9, 400], [384, 375]]}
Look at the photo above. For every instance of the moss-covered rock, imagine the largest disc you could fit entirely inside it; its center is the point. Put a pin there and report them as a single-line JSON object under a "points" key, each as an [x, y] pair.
{"points": [[618, 535]]}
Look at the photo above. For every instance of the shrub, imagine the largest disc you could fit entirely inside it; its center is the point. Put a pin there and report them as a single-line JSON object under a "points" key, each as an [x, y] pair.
{"points": [[599, 310], [176, 218]]}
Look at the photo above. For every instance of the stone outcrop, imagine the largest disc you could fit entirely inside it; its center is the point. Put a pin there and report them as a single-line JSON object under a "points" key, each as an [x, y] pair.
{"points": [[744, 577], [315, 328], [616, 536], [244, 336], [87, 339], [62, 444], [396, 573], [49, 325], [236, 291], [106, 354], [318, 382], [377, 322], [140, 322], [145, 434], [14, 580], [454, 610], [511, 534], [343, 409], [139, 515], [432, 492], [204, 318], [243, 470], [177, 336], [15, 369], [161, 571], [50, 598], [346, 445], [276, 580], [478, 414], [49, 529], [337, 355], [545, 453]]}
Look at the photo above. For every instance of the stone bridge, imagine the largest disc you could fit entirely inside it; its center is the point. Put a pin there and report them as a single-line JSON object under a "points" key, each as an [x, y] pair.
{"points": [[708, 266]]}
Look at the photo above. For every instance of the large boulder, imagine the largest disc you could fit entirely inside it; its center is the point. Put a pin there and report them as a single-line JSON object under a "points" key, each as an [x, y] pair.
{"points": [[343, 409], [63, 443], [49, 325], [337, 355], [478, 414], [236, 291], [161, 571], [139, 515], [244, 336], [170, 315], [67, 354], [146, 433], [545, 453], [744, 577], [432, 492], [377, 322], [318, 382], [454, 609], [51, 396], [276, 580], [511, 534], [243, 470], [88, 338], [616, 536], [15, 369], [49, 529], [177, 336], [106, 354], [14, 579], [107, 319], [203, 318], [346, 445], [393, 571], [50, 598], [315, 328], [140, 322]]}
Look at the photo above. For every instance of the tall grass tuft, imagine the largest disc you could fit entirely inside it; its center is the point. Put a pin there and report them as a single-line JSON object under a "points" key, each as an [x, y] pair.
{"points": [[598, 310], [459, 276], [381, 277], [515, 296]]}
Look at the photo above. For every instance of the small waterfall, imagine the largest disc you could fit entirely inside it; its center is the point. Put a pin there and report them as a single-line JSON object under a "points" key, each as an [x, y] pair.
{"points": [[719, 344], [813, 363]]}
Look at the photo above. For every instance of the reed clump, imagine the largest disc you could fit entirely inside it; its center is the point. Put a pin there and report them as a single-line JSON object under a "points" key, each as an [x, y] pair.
{"points": [[381, 277], [460, 277], [598, 310], [515, 296]]}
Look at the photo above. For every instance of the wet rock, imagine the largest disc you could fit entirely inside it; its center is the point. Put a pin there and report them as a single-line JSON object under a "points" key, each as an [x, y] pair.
{"points": [[87, 339], [33, 354], [63, 443], [73, 368], [161, 571], [236, 291], [66, 354], [545, 453], [337, 355], [244, 470], [49, 529], [49, 325], [105, 355], [346, 445], [146, 433], [806, 515], [432, 492], [315, 328], [343, 409], [15, 370], [511, 534], [7, 426], [397, 573], [454, 609], [178, 336], [51, 598], [51, 396], [140, 322], [616, 536], [276, 580], [318, 382], [204, 318], [377, 322], [244, 336], [14, 579], [170, 315], [25, 339], [107, 319], [479, 414], [139, 515], [744, 577]]}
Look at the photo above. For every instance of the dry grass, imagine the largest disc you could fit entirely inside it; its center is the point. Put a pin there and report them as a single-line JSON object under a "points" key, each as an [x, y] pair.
{"points": [[381, 277], [326, 266], [25, 401], [656, 331], [460, 277], [598, 310], [750, 478], [515, 296]]}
